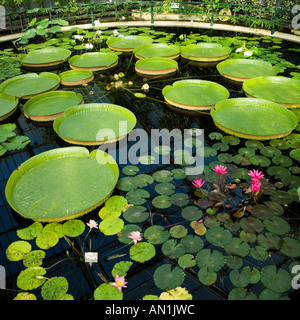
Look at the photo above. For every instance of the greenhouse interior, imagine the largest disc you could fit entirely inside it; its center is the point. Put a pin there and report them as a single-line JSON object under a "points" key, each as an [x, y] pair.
{"points": [[149, 150]]}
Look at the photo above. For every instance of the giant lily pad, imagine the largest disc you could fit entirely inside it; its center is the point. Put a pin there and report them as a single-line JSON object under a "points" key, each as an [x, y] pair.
{"points": [[8, 105], [282, 90], [156, 67], [244, 69], [94, 123], [48, 106], [61, 184], [94, 61], [45, 57], [29, 85], [76, 77], [253, 118], [194, 94], [205, 52], [156, 50], [127, 43]]}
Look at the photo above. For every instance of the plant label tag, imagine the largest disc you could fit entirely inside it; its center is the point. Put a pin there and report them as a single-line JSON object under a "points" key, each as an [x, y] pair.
{"points": [[91, 257]]}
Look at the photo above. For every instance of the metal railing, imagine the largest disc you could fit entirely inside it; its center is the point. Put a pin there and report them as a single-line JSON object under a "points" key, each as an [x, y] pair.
{"points": [[241, 14]]}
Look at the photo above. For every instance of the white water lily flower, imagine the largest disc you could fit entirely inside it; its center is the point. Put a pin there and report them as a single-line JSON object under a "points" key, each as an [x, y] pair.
{"points": [[97, 23], [78, 37], [89, 46], [116, 32], [239, 50], [248, 53], [145, 87]]}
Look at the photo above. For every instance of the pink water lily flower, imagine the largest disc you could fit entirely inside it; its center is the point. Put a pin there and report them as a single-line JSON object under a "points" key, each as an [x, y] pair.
{"points": [[92, 224], [119, 282], [220, 169], [255, 185], [198, 183], [135, 236], [255, 174]]}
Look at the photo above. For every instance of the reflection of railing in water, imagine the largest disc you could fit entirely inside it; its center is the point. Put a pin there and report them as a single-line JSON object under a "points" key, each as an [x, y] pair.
{"points": [[259, 16]]}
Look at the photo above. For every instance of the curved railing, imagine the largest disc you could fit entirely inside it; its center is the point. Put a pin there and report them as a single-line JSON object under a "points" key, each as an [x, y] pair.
{"points": [[270, 18]]}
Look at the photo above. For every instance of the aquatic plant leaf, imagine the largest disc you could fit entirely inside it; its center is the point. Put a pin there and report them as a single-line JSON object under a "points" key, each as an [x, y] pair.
{"points": [[234, 262], [6, 131], [254, 144], [143, 180], [136, 214], [277, 225], [215, 136], [283, 161], [165, 188], [111, 226], [240, 279], [295, 154], [198, 227], [251, 224], [176, 294], [241, 160], [162, 202], [130, 170], [187, 261], [16, 143], [206, 277], [270, 151], [178, 231], [260, 161], [292, 182], [237, 247], [247, 152], [191, 213], [276, 280], [34, 258], [142, 252], [31, 278], [191, 243], [107, 292], [31, 231], [166, 277], [290, 247], [47, 239], [248, 237], [231, 140], [213, 260], [218, 236], [281, 197], [125, 232], [178, 174], [25, 296], [280, 144], [121, 268], [278, 172], [115, 203], [151, 297], [172, 249], [137, 196], [268, 294], [179, 199], [163, 176], [127, 184], [259, 253], [156, 234], [269, 241], [55, 227], [241, 294], [17, 250], [73, 228], [55, 288], [210, 152]]}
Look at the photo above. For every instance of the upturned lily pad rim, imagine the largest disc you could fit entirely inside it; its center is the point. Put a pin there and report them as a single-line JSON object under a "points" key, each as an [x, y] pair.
{"points": [[250, 85], [111, 42], [41, 98], [187, 54], [11, 99], [234, 103], [193, 82], [102, 157], [145, 66], [228, 62], [77, 110], [87, 55], [174, 48], [25, 60], [27, 76], [85, 77]]}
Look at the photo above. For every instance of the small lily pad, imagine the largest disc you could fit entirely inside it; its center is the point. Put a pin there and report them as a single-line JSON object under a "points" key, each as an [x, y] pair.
{"points": [[252, 224], [293, 182], [146, 159], [225, 157], [215, 136], [281, 197], [221, 146], [206, 277], [259, 253], [191, 213], [247, 152], [290, 247], [142, 252], [277, 225], [283, 161], [163, 176], [210, 152], [47, 239], [162, 202], [137, 196], [278, 172], [178, 174], [295, 154], [165, 188], [240, 279], [241, 294], [107, 292], [277, 280], [179, 199], [55, 288], [136, 214], [212, 260], [172, 249], [248, 237], [187, 261], [178, 231], [127, 184], [125, 232], [191, 243], [234, 262], [237, 247], [166, 277], [218, 236], [269, 241], [270, 151], [111, 226], [254, 144], [17, 250], [156, 234], [241, 160], [280, 144], [260, 161], [143, 180], [130, 170], [73, 228], [231, 140], [31, 278]]}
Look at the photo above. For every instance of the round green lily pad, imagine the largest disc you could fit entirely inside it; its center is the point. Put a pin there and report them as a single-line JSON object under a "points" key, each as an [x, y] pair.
{"points": [[213, 260], [290, 247], [283, 161], [107, 292], [179, 199], [76, 77], [94, 61], [142, 252], [277, 225], [137, 196], [17, 250], [58, 183], [125, 232], [191, 243], [130, 170], [156, 67], [136, 214], [127, 43], [277, 280], [187, 261], [244, 69], [165, 188], [94, 124], [178, 231], [241, 294], [156, 50], [247, 152], [280, 144], [172, 249], [281, 197], [252, 224], [156, 234], [267, 120], [240, 279], [269, 241], [295, 154], [282, 90], [166, 277], [31, 278], [191, 213], [194, 94], [270, 151], [162, 202], [218, 236], [259, 253], [237, 247], [206, 277], [8, 105], [163, 176], [278, 172]]}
